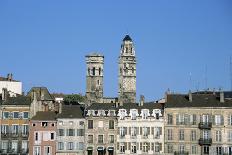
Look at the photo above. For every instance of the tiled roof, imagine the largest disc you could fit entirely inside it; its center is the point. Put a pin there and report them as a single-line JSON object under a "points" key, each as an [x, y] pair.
{"points": [[45, 116], [19, 100], [6, 79], [198, 100], [71, 111]]}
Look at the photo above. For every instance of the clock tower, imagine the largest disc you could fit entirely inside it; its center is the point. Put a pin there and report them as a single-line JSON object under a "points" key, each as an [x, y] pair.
{"points": [[127, 72]]}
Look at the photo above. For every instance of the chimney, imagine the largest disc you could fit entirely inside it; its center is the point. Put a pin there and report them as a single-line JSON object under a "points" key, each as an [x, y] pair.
{"points": [[222, 96], [141, 101], [4, 94], [190, 96], [121, 103], [166, 94], [60, 107], [10, 77], [34, 96]]}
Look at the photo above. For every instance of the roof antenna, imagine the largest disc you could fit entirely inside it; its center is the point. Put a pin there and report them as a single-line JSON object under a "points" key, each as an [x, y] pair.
{"points": [[206, 78]]}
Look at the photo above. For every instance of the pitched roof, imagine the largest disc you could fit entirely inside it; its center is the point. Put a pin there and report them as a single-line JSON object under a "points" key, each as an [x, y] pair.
{"points": [[71, 111], [18, 100], [127, 38], [198, 100], [44, 116], [42, 93]]}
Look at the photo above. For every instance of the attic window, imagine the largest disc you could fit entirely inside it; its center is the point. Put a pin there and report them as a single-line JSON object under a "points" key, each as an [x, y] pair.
{"points": [[44, 124]]}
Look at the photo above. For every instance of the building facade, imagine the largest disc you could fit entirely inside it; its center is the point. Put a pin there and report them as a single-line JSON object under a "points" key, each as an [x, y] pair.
{"points": [[70, 131], [140, 129], [199, 123], [14, 125], [100, 133], [42, 136]]}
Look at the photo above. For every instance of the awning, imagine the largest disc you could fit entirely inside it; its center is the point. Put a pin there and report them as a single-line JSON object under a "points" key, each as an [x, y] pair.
{"points": [[90, 148], [100, 148], [110, 148]]}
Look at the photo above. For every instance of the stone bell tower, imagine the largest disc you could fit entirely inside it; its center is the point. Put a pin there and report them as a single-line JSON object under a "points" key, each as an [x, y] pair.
{"points": [[94, 77], [127, 72]]}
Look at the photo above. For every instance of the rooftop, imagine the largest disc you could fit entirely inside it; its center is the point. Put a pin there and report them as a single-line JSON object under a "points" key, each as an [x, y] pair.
{"points": [[45, 116]]}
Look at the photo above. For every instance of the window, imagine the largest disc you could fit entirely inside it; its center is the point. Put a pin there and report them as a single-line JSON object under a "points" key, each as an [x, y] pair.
{"points": [[44, 124], [70, 146], [145, 147], [100, 139], [36, 150], [111, 113], [111, 138], [169, 148], [81, 146], [70, 132], [122, 114], [181, 134], [206, 149], [169, 134], [145, 113], [218, 136], [145, 131], [60, 146], [16, 115], [180, 119], [230, 120], [205, 118], [80, 132], [14, 146], [5, 129], [25, 115], [133, 113], [53, 124], [24, 146], [206, 134], [194, 149], [90, 138], [25, 129], [36, 136], [122, 148], [33, 124], [111, 124], [158, 132], [81, 123], [93, 71], [218, 150], [133, 131], [52, 136], [193, 135], [99, 70], [122, 131], [181, 148], [5, 115], [15, 129], [193, 119], [101, 113], [90, 124], [61, 132], [170, 119], [47, 150], [133, 148], [229, 136], [4, 145], [218, 119]]}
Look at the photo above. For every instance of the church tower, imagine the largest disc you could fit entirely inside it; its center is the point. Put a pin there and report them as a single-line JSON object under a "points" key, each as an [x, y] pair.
{"points": [[127, 72], [94, 77]]}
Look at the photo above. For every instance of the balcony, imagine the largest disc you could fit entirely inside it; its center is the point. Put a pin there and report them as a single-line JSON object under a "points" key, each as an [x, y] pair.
{"points": [[181, 153], [203, 141], [205, 125]]}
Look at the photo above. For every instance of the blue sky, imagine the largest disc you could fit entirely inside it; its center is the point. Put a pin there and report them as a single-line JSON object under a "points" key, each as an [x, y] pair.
{"points": [[44, 43]]}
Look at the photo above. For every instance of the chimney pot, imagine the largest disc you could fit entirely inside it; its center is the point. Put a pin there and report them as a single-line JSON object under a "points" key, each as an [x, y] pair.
{"points": [[190, 96], [141, 101], [222, 96]]}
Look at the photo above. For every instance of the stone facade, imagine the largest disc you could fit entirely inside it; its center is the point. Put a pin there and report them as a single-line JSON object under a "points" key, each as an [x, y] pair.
{"points": [[100, 136], [94, 77], [198, 124], [127, 72]]}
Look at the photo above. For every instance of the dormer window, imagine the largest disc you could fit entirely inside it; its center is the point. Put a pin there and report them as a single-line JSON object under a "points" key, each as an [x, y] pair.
{"points": [[157, 113], [111, 113], [101, 113], [122, 114], [145, 113], [133, 114], [91, 113]]}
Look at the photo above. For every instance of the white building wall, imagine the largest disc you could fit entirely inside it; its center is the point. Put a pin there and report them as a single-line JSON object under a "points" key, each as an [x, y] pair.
{"points": [[12, 86]]}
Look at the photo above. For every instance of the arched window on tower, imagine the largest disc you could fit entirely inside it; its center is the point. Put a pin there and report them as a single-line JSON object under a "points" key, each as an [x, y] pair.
{"points": [[93, 70], [131, 49], [126, 49], [88, 71], [99, 70], [133, 70]]}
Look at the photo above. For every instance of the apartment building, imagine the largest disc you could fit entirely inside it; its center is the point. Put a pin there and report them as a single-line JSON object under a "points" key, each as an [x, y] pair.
{"points": [[70, 131], [101, 131], [14, 124], [42, 136], [198, 123], [140, 129]]}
